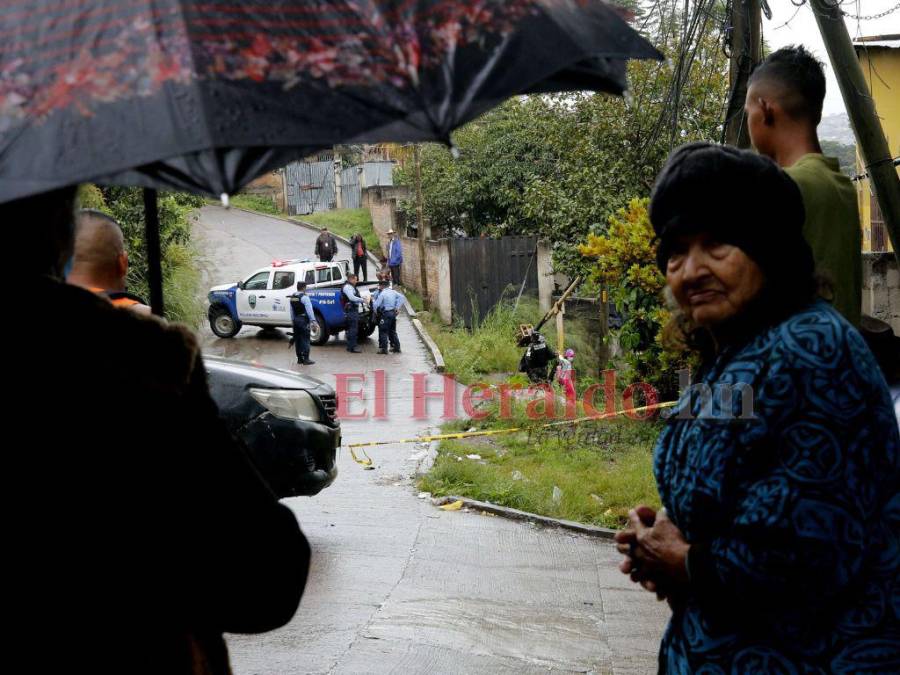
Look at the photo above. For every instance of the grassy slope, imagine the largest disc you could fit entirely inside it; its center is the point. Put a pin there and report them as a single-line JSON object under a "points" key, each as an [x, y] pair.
{"points": [[346, 223], [611, 459], [602, 469]]}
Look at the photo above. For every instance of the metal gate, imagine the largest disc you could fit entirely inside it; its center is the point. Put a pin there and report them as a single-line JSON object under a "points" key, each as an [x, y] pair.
{"points": [[310, 187], [483, 270], [351, 197]]}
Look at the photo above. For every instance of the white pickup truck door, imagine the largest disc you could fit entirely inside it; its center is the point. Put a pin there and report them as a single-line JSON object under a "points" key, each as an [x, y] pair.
{"points": [[284, 284], [253, 302]]}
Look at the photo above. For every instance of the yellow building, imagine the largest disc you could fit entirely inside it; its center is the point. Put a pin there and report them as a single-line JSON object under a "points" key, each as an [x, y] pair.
{"points": [[879, 57]]}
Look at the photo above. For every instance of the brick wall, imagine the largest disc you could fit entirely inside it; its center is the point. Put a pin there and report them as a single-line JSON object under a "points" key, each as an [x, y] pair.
{"points": [[382, 204]]}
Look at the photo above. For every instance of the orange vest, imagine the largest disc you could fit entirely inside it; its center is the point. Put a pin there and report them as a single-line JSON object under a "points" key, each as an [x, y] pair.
{"points": [[119, 299]]}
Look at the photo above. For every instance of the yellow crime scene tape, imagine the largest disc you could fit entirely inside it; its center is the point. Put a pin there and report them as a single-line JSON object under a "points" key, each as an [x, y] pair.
{"points": [[366, 461]]}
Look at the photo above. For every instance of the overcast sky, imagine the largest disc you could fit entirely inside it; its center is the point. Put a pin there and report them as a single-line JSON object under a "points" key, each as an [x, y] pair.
{"points": [[802, 29]]}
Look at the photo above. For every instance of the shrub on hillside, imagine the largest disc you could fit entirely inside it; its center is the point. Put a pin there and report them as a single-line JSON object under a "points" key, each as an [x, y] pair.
{"points": [[626, 264]]}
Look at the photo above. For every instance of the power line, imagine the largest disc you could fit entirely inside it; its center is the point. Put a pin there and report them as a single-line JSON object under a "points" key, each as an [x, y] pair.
{"points": [[873, 17], [793, 16]]}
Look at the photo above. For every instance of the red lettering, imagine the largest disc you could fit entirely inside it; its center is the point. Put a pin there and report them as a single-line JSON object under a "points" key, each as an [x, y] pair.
{"points": [[421, 394], [344, 396]]}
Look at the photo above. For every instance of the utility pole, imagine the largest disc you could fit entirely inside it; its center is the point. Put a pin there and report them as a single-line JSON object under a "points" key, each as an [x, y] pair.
{"points": [[420, 228], [861, 108], [746, 52], [561, 329], [154, 255]]}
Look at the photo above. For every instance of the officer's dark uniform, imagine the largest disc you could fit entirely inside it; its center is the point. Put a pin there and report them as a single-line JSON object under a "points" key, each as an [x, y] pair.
{"points": [[352, 301], [386, 306], [535, 361], [301, 310]]}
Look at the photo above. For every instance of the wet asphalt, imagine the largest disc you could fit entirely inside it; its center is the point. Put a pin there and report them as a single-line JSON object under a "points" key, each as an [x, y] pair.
{"points": [[398, 585]]}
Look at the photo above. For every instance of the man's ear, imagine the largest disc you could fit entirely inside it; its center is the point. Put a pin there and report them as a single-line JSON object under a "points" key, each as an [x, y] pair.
{"points": [[122, 264], [768, 112]]}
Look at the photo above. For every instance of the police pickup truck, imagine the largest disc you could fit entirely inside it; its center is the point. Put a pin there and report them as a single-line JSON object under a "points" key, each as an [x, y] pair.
{"points": [[262, 299]]}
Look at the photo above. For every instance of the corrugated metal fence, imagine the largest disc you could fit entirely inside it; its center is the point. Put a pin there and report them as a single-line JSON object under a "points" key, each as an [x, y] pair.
{"points": [[351, 193], [310, 185]]}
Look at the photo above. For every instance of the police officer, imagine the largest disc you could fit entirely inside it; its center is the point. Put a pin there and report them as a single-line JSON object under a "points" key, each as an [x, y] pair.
{"points": [[536, 359], [386, 306], [352, 304], [301, 316]]}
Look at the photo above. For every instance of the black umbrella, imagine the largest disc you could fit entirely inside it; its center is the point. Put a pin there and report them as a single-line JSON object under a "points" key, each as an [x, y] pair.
{"points": [[207, 95]]}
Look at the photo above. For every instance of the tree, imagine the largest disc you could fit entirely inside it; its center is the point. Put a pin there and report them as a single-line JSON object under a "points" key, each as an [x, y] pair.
{"points": [[624, 260], [846, 155], [560, 166]]}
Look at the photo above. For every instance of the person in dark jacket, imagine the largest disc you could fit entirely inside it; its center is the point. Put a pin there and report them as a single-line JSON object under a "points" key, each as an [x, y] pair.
{"points": [[537, 359], [141, 530], [778, 545], [360, 256], [326, 246], [353, 305], [302, 317]]}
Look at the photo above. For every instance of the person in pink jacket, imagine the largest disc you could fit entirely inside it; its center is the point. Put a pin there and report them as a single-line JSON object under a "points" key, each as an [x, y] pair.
{"points": [[565, 373]]}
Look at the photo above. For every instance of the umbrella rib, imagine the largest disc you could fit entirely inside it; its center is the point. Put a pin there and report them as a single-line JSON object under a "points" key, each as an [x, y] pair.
{"points": [[202, 99]]}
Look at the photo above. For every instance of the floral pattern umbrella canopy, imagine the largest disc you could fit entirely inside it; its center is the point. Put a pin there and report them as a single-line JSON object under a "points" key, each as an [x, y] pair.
{"points": [[206, 95]]}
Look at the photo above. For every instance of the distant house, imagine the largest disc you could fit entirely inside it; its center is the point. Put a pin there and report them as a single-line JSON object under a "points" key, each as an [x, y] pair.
{"points": [[879, 57]]}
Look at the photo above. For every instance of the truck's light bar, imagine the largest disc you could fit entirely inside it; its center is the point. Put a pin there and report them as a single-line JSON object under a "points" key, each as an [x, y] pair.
{"points": [[282, 263]]}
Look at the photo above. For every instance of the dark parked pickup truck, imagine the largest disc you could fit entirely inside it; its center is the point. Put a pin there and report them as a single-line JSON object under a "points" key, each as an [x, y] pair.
{"points": [[285, 420]]}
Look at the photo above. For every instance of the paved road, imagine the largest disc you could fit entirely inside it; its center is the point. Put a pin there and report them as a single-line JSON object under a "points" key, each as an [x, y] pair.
{"points": [[397, 585]]}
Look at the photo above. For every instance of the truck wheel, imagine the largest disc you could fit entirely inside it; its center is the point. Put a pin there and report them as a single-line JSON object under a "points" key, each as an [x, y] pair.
{"points": [[318, 331], [222, 323], [368, 329]]}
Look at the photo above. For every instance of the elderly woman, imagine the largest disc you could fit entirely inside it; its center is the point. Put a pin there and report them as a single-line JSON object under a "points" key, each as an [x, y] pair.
{"points": [[778, 547]]}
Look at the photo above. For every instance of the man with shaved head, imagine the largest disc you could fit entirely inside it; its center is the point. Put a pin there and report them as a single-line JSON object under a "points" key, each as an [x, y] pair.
{"points": [[140, 530], [100, 262], [784, 107]]}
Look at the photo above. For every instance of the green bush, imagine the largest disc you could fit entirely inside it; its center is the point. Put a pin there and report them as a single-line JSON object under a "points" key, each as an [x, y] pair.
{"points": [[181, 276], [626, 263]]}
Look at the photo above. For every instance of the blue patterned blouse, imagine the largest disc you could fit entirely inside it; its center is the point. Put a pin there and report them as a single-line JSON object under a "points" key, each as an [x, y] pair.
{"points": [[792, 511]]}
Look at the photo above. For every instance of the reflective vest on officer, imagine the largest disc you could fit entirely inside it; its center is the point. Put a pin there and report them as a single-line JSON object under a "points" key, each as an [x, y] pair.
{"points": [[120, 298]]}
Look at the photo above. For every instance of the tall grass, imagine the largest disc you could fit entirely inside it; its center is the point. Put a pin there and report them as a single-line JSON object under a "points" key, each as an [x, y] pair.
{"points": [[490, 348], [181, 285], [255, 203], [600, 469]]}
